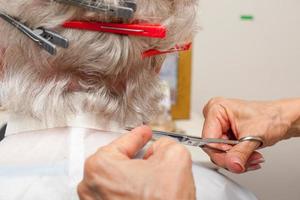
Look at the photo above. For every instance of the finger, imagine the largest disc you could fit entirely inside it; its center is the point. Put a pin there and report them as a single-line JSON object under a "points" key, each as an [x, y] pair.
{"points": [[253, 167], [216, 156], [213, 129], [216, 125], [169, 152], [131, 143], [255, 158], [216, 121], [158, 145], [237, 158]]}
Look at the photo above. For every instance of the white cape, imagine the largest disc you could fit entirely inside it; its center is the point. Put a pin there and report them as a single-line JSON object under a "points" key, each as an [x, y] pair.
{"points": [[48, 164]]}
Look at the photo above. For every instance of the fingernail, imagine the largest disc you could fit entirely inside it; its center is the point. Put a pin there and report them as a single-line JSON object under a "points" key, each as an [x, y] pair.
{"points": [[236, 167], [257, 161], [252, 168]]}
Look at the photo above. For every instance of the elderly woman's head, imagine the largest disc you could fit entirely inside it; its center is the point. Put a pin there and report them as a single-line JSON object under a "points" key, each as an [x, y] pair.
{"points": [[99, 72]]}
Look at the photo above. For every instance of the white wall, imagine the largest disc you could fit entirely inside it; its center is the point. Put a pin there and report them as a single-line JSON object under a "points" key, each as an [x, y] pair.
{"points": [[252, 60]]}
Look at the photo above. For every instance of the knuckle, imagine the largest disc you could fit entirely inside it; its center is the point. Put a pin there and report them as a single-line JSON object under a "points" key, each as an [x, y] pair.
{"points": [[216, 100], [93, 166], [241, 153], [91, 174], [181, 151], [104, 149], [89, 165], [80, 189], [212, 104], [165, 141]]}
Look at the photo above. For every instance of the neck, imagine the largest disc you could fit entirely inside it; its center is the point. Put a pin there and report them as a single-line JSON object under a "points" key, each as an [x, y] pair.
{"points": [[20, 123]]}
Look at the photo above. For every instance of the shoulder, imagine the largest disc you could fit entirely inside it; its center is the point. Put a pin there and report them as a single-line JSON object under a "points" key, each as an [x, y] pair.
{"points": [[211, 184]]}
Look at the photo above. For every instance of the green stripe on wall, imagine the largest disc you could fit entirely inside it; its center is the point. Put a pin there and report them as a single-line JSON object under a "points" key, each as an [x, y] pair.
{"points": [[247, 17]]}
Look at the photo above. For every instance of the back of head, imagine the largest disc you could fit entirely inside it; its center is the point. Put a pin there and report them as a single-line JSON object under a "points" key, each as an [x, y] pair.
{"points": [[102, 73]]}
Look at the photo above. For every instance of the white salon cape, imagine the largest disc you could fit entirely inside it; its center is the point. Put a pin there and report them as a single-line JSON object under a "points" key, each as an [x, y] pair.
{"points": [[46, 163]]}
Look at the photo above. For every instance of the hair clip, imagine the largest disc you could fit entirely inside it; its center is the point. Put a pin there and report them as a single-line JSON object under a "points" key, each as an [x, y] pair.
{"points": [[130, 3], [46, 39], [154, 52], [125, 10], [145, 30]]}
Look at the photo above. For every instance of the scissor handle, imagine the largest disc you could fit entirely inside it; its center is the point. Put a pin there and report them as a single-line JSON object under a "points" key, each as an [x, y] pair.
{"points": [[219, 141], [233, 142], [253, 139]]}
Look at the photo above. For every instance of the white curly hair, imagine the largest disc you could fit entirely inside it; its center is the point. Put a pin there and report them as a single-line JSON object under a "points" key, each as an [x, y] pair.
{"points": [[102, 73]]}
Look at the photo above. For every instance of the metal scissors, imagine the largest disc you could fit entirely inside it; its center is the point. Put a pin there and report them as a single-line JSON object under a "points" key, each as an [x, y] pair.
{"points": [[203, 142]]}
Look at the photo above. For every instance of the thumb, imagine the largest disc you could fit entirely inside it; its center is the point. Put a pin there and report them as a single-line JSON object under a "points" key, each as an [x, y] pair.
{"points": [[237, 158], [131, 143]]}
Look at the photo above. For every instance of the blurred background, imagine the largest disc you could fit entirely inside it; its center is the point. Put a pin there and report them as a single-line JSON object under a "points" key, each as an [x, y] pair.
{"points": [[250, 49]]}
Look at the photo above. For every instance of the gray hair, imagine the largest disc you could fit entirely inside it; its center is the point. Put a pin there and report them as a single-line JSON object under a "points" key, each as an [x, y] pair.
{"points": [[100, 73]]}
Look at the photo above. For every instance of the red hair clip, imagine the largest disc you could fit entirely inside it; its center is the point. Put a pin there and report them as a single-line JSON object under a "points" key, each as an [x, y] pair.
{"points": [[145, 30], [154, 52]]}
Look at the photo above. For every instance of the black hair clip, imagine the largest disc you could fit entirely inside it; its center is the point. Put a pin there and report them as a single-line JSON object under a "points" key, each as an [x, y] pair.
{"points": [[46, 39], [125, 10], [2, 131]]}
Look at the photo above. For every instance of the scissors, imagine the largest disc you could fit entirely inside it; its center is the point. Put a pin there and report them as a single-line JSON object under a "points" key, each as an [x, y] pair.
{"points": [[203, 142]]}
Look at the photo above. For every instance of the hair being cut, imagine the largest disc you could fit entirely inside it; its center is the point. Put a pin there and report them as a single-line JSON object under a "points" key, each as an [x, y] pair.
{"points": [[102, 73]]}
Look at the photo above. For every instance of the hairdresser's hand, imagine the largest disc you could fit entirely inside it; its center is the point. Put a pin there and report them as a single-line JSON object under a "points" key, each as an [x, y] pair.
{"points": [[164, 173], [227, 118]]}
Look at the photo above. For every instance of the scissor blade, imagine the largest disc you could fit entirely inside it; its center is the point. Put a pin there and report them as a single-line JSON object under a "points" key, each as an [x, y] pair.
{"points": [[191, 140], [195, 141], [159, 134], [183, 139]]}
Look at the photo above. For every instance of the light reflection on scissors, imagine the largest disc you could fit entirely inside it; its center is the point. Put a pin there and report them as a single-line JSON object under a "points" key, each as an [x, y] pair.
{"points": [[202, 142], [195, 141]]}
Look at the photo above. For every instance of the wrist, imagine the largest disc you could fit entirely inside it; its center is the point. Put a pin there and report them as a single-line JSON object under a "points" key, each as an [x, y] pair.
{"points": [[289, 110]]}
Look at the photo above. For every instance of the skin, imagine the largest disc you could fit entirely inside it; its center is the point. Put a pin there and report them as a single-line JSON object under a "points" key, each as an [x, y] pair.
{"points": [[112, 173], [271, 120], [164, 173]]}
